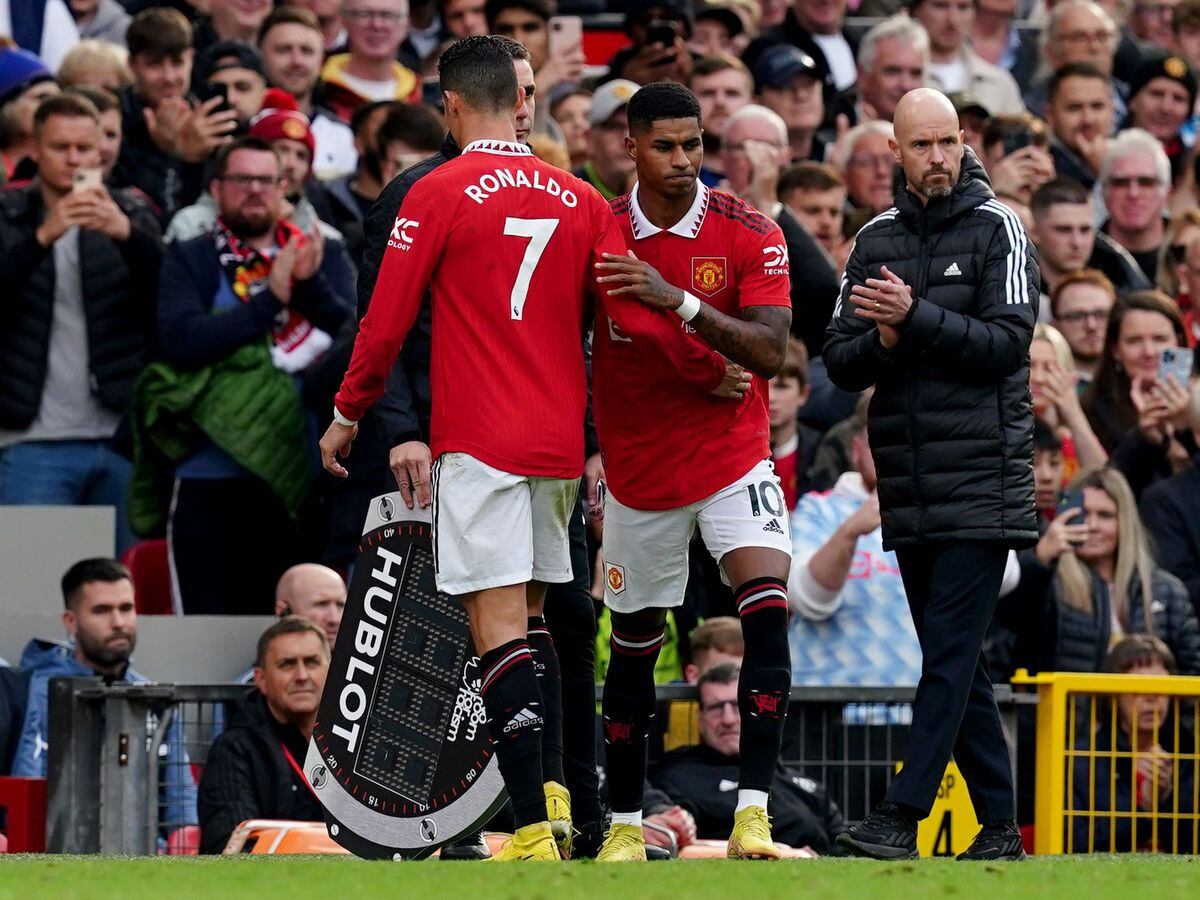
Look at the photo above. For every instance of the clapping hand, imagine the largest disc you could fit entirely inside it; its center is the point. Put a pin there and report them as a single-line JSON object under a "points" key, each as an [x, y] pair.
{"points": [[886, 302]]}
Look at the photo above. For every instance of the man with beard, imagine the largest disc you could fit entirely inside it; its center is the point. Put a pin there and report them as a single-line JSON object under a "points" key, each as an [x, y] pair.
{"points": [[937, 312], [101, 624], [255, 302]]}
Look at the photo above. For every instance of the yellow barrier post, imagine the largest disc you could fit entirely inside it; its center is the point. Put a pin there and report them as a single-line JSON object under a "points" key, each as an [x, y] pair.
{"points": [[1057, 756]]}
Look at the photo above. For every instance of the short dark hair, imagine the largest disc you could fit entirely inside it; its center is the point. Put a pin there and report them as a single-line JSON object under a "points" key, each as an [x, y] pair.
{"points": [[289, 15], [87, 571], [539, 8], [725, 673], [515, 49], [1136, 651], [286, 625], [417, 125], [1000, 127], [1060, 190], [159, 32], [246, 142], [103, 99], [661, 100], [810, 176], [1045, 438], [480, 70], [1072, 70], [68, 104]]}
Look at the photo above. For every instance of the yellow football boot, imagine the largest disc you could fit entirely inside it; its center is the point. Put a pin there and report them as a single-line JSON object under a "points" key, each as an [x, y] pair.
{"points": [[623, 843], [533, 842], [751, 835], [558, 811]]}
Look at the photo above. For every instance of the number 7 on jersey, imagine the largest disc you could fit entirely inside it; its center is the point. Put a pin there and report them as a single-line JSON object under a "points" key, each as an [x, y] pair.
{"points": [[539, 232]]}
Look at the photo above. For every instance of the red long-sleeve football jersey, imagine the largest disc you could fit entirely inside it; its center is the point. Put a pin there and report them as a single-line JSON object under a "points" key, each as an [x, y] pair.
{"points": [[664, 447], [506, 244]]}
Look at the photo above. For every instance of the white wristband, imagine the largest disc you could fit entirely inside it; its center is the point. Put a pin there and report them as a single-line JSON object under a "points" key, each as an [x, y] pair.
{"points": [[689, 308], [342, 420]]}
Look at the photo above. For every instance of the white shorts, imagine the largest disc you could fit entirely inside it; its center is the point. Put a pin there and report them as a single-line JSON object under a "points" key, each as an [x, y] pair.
{"points": [[492, 529], [646, 551]]}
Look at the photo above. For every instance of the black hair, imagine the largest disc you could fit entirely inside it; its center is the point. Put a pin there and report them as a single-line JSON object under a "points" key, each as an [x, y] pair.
{"points": [[1072, 70], [1045, 438], [414, 124], [539, 8], [480, 70], [515, 48], [246, 142], [660, 100], [86, 571]]}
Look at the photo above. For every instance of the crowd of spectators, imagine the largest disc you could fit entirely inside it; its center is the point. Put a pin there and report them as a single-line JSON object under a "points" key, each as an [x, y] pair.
{"points": [[182, 216]]}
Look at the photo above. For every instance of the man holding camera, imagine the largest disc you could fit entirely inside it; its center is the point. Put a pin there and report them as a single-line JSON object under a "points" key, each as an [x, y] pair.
{"points": [[79, 265]]}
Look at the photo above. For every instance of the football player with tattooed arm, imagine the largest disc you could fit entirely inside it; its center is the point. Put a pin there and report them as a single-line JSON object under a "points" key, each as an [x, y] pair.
{"points": [[508, 389], [722, 267]]}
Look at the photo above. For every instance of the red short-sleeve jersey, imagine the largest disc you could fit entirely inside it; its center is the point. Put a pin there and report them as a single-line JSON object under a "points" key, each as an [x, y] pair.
{"points": [[664, 445], [507, 246]]}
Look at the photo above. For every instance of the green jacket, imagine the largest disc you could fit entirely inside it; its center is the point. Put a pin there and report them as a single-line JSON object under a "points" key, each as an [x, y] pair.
{"points": [[243, 404]]}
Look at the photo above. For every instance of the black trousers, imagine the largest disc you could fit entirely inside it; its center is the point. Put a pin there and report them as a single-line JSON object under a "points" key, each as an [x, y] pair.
{"points": [[230, 540], [571, 617], [952, 592]]}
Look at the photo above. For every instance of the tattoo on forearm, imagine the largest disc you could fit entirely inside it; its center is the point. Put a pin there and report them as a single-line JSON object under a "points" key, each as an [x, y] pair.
{"points": [[757, 342]]}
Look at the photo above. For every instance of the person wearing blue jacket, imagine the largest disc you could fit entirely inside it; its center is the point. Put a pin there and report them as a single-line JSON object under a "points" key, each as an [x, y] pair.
{"points": [[101, 624]]}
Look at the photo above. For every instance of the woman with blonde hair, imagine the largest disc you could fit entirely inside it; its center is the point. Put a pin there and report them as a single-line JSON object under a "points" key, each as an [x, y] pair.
{"points": [[1092, 580], [96, 63], [1055, 389], [1181, 231]]}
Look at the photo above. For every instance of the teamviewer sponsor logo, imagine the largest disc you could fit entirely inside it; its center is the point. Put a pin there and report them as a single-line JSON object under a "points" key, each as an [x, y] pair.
{"points": [[523, 719], [402, 235]]}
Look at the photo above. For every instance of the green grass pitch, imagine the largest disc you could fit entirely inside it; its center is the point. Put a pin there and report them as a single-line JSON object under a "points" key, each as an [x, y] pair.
{"points": [[329, 878]]}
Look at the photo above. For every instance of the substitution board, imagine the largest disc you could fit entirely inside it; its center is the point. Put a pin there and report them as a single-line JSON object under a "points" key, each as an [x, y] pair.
{"points": [[400, 757]]}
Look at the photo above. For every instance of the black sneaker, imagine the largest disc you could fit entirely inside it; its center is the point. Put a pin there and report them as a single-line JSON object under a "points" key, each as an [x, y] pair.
{"points": [[996, 840], [468, 846], [588, 838], [886, 833]]}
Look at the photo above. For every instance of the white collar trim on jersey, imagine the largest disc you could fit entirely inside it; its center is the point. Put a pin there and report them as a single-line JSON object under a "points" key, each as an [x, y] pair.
{"points": [[501, 148], [687, 227]]}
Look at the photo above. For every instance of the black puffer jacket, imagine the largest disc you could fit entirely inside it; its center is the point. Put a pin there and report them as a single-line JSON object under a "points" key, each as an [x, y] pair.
{"points": [[951, 421], [1045, 634], [120, 281]]}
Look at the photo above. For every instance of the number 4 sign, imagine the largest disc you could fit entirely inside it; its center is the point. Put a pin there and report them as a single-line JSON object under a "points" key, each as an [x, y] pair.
{"points": [[951, 824]]}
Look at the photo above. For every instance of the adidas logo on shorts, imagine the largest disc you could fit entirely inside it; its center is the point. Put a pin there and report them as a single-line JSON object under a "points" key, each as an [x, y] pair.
{"points": [[773, 527], [522, 719]]}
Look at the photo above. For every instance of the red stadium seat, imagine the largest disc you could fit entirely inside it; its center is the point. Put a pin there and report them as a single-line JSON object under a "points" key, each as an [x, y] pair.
{"points": [[24, 803], [151, 571]]}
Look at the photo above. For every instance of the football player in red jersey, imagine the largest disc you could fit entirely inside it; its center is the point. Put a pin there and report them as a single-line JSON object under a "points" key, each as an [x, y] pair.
{"points": [[676, 460], [506, 244]]}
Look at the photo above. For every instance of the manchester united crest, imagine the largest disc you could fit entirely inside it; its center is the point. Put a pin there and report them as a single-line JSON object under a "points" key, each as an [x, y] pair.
{"points": [[708, 274], [616, 577]]}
